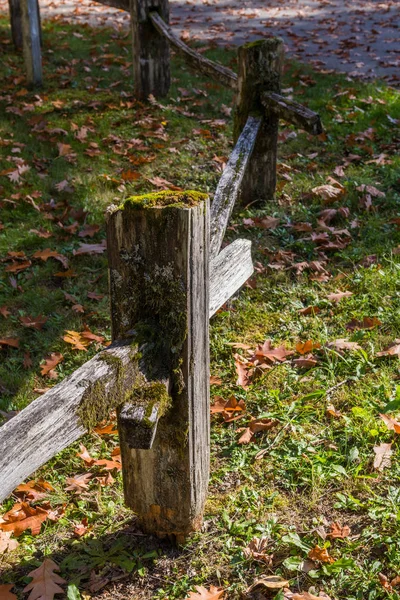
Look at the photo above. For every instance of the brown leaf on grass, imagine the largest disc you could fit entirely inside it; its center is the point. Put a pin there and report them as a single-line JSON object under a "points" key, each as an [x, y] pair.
{"points": [[85, 456], [371, 190], [14, 343], [288, 595], [272, 354], [382, 460], [81, 528], [242, 371], [104, 480], [333, 412], [309, 310], [392, 350], [22, 516], [202, 593], [321, 555], [306, 362], [264, 584], [16, 267], [4, 311], [328, 192], [336, 297], [215, 380], [50, 362], [89, 231], [5, 593], [76, 340], [45, 582], [388, 585], [343, 344], [91, 248], [48, 253], [306, 347], [109, 465], [255, 426], [257, 549], [64, 149], [7, 545], [92, 337], [34, 489], [94, 296], [231, 409], [66, 274], [164, 184], [366, 323], [391, 423], [33, 322], [78, 483], [109, 429], [337, 531]]}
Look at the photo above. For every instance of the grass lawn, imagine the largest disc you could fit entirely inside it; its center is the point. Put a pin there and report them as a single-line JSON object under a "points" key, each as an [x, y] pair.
{"points": [[84, 142]]}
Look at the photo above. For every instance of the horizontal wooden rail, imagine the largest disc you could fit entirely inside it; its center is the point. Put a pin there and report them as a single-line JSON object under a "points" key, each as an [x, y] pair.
{"points": [[228, 187], [52, 422], [195, 59], [292, 112]]}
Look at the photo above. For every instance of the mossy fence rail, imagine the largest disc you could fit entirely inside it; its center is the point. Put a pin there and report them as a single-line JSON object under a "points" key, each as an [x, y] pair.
{"points": [[168, 276]]}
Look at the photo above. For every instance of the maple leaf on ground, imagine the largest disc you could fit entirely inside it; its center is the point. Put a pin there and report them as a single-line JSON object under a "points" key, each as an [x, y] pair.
{"points": [[306, 347], [371, 190], [366, 323], [109, 429], [391, 423], [89, 231], [34, 490], [392, 350], [272, 354], [50, 362], [382, 460], [242, 371], [45, 582], [336, 297], [14, 343], [202, 593], [328, 192], [5, 593], [257, 549], [22, 516], [109, 465], [4, 311], [78, 483], [215, 380], [85, 456], [16, 267], [76, 340], [337, 531], [64, 149], [163, 184], [309, 310], [91, 248], [34, 322], [231, 409], [321, 555], [255, 426], [343, 344], [7, 544], [81, 528]]}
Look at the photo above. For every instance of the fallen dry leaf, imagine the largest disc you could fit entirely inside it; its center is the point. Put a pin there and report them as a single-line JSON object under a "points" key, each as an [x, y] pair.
{"points": [[44, 584], [257, 549], [14, 343], [337, 531], [309, 310], [306, 347], [33, 322], [328, 192], [91, 248], [78, 483], [343, 344], [272, 354], [255, 426], [366, 323], [231, 409], [272, 582], [336, 297], [7, 544], [109, 429], [50, 362], [391, 423], [321, 555], [392, 350], [34, 490], [85, 456], [242, 372], [22, 516], [77, 341], [5, 593], [383, 452], [202, 593]]}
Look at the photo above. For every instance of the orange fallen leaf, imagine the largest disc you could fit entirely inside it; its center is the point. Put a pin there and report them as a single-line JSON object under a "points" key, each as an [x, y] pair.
{"points": [[78, 483], [214, 380], [202, 593], [50, 362], [391, 423], [109, 429], [382, 460], [16, 267], [85, 456], [272, 354], [14, 343], [44, 584], [336, 297], [5, 593], [4, 311], [76, 340], [34, 490], [337, 531], [242, 372], [392, 350], [343, 344], [306, 347], [307, 362], [33, 322], [258, 550], [109, 465], [7, 544], [320, 554], [309, 310], [47, 253], [366, 323], [255, 426], [23, 516]]}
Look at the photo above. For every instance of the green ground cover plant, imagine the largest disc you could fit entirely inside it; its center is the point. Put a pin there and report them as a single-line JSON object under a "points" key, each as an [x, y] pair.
{"points": [[305, 479]]}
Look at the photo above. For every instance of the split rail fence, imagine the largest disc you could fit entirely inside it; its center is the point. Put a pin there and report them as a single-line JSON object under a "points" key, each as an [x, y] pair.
{"points": [[168, 276]]}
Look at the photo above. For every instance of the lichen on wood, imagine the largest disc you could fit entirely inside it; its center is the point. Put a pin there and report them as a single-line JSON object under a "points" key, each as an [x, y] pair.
{"points": [[170, 198]]}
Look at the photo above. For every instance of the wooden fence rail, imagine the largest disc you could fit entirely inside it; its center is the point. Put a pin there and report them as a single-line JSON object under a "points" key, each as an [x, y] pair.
{"points": [[168, 276]]}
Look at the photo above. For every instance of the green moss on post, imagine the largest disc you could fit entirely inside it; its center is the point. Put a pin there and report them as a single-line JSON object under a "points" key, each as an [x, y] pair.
{"points": [[161, 199]]}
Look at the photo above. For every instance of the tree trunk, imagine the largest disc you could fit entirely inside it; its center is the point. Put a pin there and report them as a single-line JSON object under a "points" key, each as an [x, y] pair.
{"points": [[31, 42]]}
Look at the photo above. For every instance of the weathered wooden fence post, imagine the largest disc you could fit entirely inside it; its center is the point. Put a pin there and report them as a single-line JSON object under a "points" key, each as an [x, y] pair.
{"points": [[159, 286], [151, 56], [260, 66], [31, 42], [16, 22]]}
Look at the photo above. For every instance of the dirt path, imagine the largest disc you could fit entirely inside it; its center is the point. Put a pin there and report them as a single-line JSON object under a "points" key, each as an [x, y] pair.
{"points": [[360, 37]]}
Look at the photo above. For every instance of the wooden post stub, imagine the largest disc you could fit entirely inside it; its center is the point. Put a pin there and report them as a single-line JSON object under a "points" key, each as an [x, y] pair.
{"points": [[159, 281], [31, 42], [151, 55], [16, 22], [260, 66]]}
